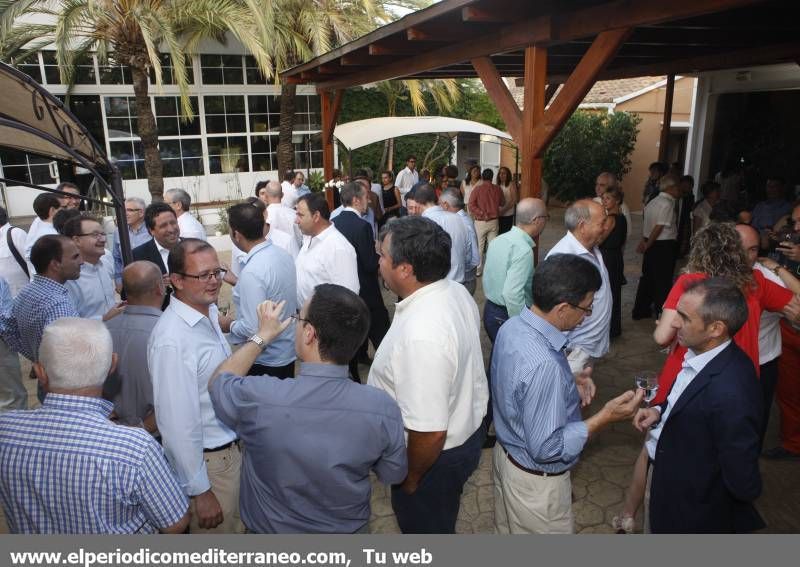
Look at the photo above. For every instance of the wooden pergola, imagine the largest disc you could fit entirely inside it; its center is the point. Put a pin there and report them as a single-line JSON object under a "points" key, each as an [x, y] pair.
{"points": [[547, 43]]}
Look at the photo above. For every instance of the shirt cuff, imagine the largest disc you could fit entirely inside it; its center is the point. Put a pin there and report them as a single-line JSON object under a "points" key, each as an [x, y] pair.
{"points": [[575, 436], [199, 484]]}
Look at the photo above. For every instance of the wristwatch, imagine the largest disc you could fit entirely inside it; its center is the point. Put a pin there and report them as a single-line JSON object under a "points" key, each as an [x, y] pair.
{"points": [[261, 343]]}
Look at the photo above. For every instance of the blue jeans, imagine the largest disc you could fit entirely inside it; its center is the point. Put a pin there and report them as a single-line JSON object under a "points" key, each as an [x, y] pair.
{"points": [[493, 318]]}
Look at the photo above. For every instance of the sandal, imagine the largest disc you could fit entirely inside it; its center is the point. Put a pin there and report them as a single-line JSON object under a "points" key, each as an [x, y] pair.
{"points": [[623, 525]]}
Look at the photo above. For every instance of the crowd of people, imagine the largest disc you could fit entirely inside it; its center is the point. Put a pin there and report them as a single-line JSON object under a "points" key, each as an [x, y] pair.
{"points": [[163, 411]]}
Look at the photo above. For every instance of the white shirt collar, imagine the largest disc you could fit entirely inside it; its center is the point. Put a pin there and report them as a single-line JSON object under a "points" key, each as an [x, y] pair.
{"points": [[576, 245], [189, 314], [699, 361], [352, 210]]}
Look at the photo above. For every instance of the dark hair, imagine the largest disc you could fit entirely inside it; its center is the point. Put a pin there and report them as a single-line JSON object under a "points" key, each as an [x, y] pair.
{"points": [[73, 226], [722, 301], [389, 173], [176, 261], [349, 192], [260, 185], [289, 175], [3, 216], [564, 278], [663, 168], [451, 171], [420, 242], [425, 194], [46, 249], [362, 173], [508, 175], [153, 210], [43, 203], [688, 179], [247, 220], [64, 184], [316, 203], [257, 203], [341, 319], [63, 216], [780, 180], [411, 157], [487, 174], [709, 187]]}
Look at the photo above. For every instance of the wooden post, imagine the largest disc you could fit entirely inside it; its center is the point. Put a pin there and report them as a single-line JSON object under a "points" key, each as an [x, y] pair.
{"points": [[663, 148], [532, 113], [330, 104], [500, 95]]}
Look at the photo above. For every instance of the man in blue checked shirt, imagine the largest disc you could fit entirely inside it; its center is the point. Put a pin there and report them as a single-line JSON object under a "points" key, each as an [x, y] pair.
{"points": [[537, 401], [65, 468]]}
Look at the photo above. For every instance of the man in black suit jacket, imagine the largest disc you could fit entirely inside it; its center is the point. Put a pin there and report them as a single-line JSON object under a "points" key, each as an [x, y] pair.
{"points": [[704, 445], [359, 233], [161, 222]]}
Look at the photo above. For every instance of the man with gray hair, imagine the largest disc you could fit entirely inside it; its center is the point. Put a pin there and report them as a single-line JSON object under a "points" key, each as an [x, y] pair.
{"points": [[181, 203], [460, 253], [659, 247], [130, 385], [508, 270], [82, 472], [137, 234], [585, 222], [451, 201]]}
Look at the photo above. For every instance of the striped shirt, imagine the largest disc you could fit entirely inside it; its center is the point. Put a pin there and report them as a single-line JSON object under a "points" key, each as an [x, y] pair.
{"points": [[537, 410], [65, 468]]}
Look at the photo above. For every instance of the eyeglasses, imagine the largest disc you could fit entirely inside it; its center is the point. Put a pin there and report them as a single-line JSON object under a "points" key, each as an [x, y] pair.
{"points": [[297, 318], [97, 235], [587, 310], [219, 273]]}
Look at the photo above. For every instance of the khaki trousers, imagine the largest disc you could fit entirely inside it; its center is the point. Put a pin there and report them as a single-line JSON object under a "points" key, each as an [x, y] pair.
{"points": [[486, 230], [224, 468], [529, 504]]}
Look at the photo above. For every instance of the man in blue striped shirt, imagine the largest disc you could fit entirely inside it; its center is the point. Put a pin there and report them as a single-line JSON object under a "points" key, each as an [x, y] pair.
{"points": [[65, 468], [537, 401]]}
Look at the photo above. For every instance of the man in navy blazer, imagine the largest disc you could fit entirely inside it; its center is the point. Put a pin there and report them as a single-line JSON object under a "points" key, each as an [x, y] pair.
{"points": [[161, 222], [359, 233], [704, 441]]}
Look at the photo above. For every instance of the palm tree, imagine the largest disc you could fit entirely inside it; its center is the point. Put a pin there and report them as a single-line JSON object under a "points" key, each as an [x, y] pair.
{"points": [[131, 33], [444, 92], [297, 30]]}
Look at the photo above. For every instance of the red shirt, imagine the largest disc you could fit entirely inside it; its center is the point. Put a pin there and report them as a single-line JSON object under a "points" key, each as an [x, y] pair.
{"points": [[485, 201], [765, 296]]}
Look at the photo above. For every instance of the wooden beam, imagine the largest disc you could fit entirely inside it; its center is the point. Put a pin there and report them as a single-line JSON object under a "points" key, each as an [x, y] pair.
{"points": [[497, 12], [434, 33], [330, 104], [575, 88], [532, 114], [550, 92], [578, 24], [663, 148], [500, 95], [387, 47]]}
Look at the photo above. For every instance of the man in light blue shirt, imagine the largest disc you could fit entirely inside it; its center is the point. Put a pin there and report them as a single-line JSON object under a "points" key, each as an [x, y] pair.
{"points": [[185, 347], [267, 272], [460, 252], [585, 222], [508, 269], [137, 233], [451, 201], [312, 441], [537, 401]]}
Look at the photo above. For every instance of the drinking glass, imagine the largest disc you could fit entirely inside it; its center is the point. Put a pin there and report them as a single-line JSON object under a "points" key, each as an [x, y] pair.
{"points": [[647, 380]]}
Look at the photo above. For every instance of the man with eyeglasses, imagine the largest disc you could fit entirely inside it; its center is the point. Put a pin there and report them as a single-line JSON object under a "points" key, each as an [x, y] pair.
{"points": [[184, 349], [93, 292], [585, 223], [508, 269], [537, 404], [137, 233]]}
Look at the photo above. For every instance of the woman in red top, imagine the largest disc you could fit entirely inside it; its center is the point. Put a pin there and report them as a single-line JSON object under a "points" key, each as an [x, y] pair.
{"points": [[716, 251]]}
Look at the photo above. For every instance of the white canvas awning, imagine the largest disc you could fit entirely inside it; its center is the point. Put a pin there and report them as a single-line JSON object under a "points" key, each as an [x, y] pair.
{"points": [[361, 133]]}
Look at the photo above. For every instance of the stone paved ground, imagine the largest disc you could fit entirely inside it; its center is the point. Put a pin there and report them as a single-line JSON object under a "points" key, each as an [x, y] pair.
{"points": [[603, 473]]}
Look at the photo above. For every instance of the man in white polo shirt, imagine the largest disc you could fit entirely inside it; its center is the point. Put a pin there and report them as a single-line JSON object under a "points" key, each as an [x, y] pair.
{"points": [[430, 362]]}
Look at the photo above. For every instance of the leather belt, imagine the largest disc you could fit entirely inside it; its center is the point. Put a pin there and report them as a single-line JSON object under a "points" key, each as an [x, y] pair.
{"points": [[531, 471], [222, 447]]}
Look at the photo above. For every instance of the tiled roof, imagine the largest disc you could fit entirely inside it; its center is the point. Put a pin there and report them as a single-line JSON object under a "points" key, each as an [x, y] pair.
{"points": [[602, 91]]}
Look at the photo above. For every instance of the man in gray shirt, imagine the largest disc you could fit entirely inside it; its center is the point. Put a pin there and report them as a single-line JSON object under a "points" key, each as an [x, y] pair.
{"points": [[130, 385], [312, 441]]}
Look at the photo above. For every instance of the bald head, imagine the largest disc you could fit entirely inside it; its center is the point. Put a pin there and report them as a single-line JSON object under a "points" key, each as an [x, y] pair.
{"points": [[143, 283], [750, 241], [274, 192], [531, 216], [604, 182]]}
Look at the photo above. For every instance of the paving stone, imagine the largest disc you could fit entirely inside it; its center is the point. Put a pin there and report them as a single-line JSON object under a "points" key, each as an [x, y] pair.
{"points": [[469, 506], [587, 514], [385, 525], [486, 498], [603, 493], [619, 475], [382, 507], [484, 524]]}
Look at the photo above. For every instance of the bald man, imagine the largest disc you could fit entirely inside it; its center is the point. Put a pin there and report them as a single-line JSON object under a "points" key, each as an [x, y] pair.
{"points": [[603, 183], [508, 271], [279, 216], [130, 386]]}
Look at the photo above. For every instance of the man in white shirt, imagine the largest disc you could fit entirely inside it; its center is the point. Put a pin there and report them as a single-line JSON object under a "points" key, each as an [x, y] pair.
{"points": [[289, 189], [585, 222], [181, 203], [45, 205], [184, 349], [603, 183], [12, 262], [460, 250], [451, 201], [326, 255], [407, 177], [93, 292], [430, 362], [278, 215], [660, 248], [701, 215]]}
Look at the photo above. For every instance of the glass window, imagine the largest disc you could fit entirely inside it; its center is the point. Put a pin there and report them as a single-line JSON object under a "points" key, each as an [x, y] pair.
{"points": [[263, 148], [227, 154], [121, 116], [181, 158], [30, 66], [130, 159], [222, 69], [168, 118], [84, 69], [253, 72], [112, 74], [265, 113], [308, 153], [225, 114], [168, 70], [86, 109], [19, 166], [307, 113]]}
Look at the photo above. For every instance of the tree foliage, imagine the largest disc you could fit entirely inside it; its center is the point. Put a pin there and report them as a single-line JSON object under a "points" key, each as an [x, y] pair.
{"points": [[590, 142]]}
